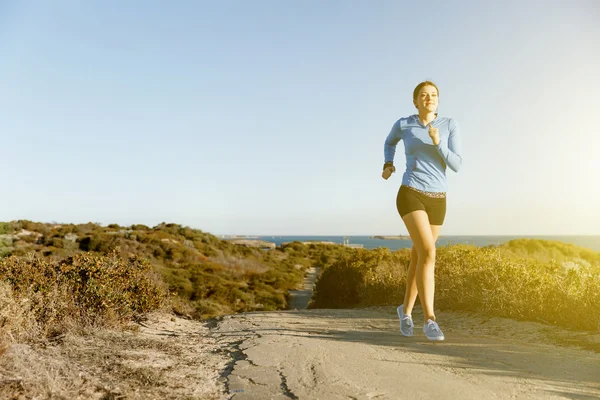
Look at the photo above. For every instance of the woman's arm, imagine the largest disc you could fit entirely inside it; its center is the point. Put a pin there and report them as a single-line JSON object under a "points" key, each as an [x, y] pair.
{"points": [[452, 153], [389, 148]]}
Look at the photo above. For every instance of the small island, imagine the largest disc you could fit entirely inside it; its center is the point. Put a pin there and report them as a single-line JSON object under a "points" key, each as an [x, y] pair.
{"points": [[400, 237]]}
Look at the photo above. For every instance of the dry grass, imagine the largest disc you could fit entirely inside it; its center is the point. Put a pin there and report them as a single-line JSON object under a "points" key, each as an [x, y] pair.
{"points": [[17, 321], [169, 358], [239, 265], [470, 279], [47, 298]]}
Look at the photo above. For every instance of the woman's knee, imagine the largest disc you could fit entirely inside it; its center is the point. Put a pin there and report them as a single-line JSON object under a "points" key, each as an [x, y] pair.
{"points": [[427, 254], [414, 253]]}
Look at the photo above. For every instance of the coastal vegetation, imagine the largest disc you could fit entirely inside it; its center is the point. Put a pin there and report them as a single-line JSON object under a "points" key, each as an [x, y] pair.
{"points": [[60, 277], [56, 276], [526, 279], [76, 305]]}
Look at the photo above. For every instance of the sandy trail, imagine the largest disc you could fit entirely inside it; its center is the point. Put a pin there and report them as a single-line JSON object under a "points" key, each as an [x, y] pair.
{"points": [[360, 354], [308, 354], [300, 298]]}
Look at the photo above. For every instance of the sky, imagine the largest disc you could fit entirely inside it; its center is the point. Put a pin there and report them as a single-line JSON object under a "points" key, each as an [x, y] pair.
{"points": [[269, 117]]}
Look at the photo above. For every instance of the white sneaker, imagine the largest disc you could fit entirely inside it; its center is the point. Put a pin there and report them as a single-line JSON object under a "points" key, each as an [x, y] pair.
{"points": [[432, 330], [406, 323]]}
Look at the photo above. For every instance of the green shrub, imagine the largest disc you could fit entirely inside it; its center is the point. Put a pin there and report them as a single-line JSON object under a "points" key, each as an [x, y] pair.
{"points": [[201, 272], [5, 228], [87, 289], [366, 277], [472, 279], [551, 250]]}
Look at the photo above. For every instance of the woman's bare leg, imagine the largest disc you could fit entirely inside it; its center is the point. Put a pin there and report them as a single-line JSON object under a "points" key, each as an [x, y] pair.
{"points": [[410, 296], [417, 223]]}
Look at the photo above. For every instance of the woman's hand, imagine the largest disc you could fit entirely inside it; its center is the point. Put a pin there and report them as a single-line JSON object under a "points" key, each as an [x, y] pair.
{"points": [[388, 170], [434, 135]]}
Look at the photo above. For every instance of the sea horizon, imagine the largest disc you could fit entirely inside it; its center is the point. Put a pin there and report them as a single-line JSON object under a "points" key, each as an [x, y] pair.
{"points": [[591, 242]]}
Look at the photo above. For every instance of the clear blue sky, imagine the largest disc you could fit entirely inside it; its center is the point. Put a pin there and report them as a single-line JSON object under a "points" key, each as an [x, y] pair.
{"points": [[269, 117]]}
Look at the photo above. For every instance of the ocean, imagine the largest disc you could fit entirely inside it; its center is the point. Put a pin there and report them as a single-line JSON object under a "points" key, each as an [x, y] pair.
{"points": [[589, 242]]}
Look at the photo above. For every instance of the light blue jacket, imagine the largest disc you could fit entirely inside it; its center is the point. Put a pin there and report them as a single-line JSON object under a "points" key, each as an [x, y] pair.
{"points": [[425, 162]]}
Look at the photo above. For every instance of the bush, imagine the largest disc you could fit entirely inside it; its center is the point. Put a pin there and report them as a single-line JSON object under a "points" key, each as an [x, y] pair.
{"points": [[370, 277], [16, 319], [551, 250], [471, 279], [209, 275], [86, 289], [139, 227], [6, 227]]}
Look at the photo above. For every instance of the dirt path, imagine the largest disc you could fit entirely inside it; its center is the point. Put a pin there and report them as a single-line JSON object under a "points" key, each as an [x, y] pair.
{"points": [[165, 357], [360, 354], [299, 299], [307, 354]]}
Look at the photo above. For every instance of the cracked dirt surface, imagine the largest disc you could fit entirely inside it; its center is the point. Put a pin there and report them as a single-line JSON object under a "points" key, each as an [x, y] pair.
{"points": [[308, 354], [360, 354], [167, 357]]}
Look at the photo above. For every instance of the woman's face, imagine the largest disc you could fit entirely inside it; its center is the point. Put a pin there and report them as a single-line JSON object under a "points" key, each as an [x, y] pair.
{"points": [[427, 99]]}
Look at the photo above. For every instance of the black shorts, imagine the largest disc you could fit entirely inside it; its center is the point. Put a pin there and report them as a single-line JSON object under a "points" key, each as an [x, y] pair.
{"points": [[409, 200]]}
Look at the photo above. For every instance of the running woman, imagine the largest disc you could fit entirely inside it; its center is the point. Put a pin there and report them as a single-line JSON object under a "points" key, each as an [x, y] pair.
{"points": [[431, 143]]}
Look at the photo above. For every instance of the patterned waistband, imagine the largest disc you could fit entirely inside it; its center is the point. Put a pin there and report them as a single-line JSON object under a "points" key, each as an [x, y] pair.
{"points": [[436, 195]]}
